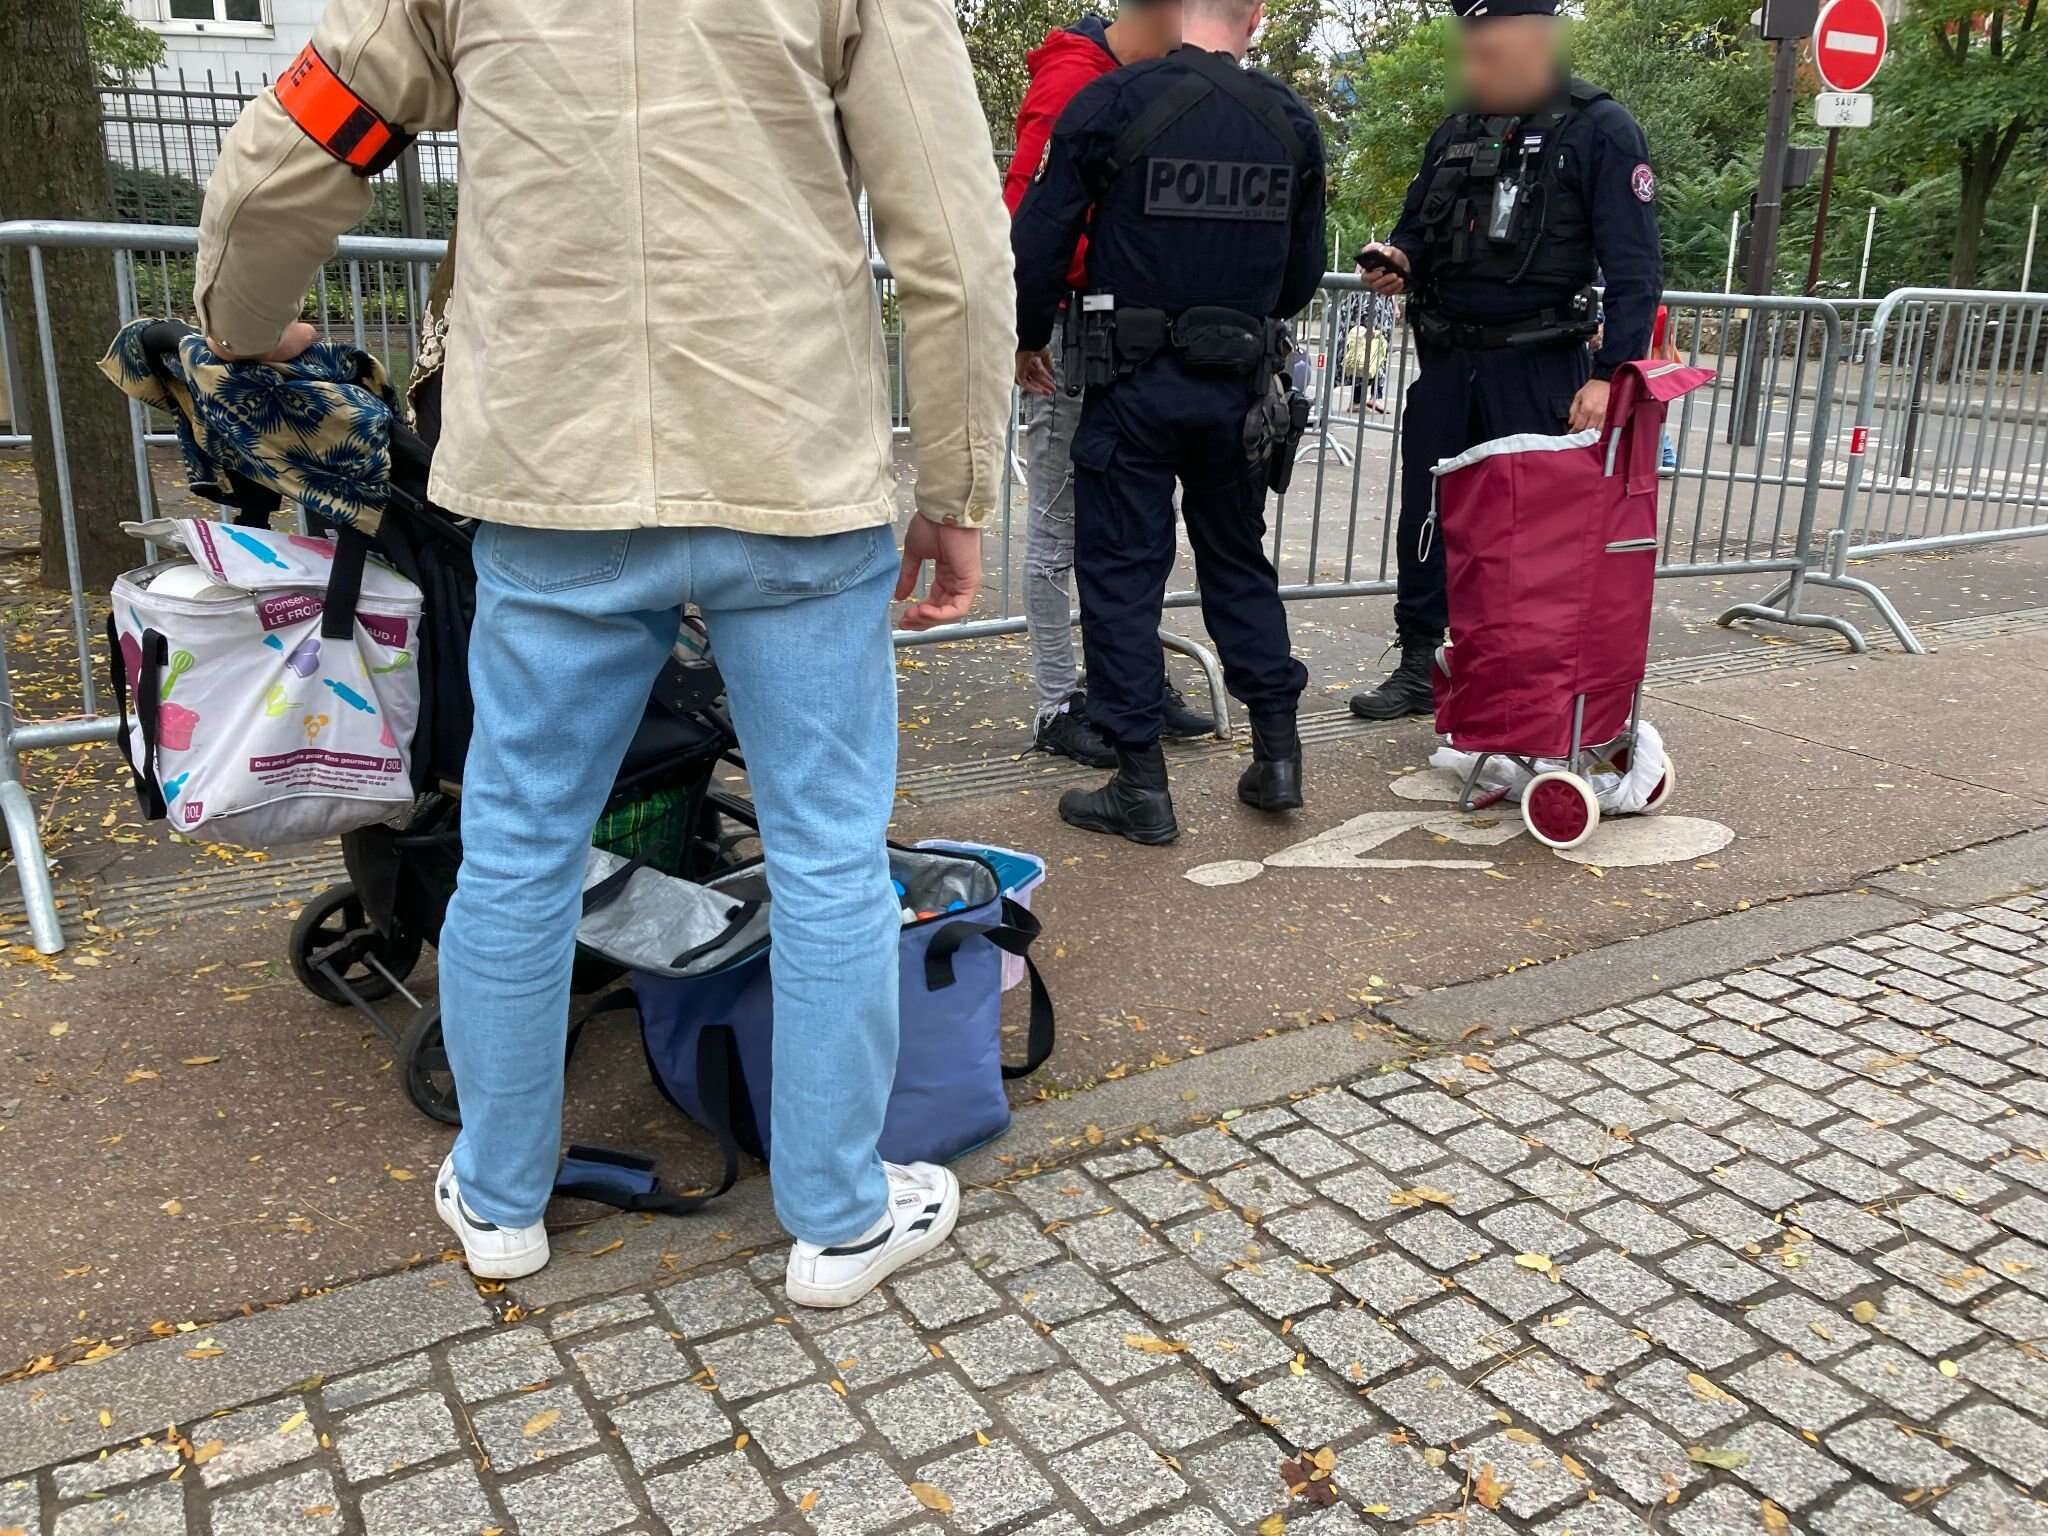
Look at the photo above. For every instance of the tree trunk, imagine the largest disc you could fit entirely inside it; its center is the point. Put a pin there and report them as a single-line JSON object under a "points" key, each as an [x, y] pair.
{"points": [[53, 166], [1979, 175]]}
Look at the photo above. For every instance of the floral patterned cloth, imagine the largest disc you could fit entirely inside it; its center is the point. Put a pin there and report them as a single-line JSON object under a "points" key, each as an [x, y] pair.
{"points": [[316, 430]]}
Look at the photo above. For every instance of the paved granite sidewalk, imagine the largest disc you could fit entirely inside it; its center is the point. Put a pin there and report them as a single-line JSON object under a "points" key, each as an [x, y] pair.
{"points": [[1764, 1253]]}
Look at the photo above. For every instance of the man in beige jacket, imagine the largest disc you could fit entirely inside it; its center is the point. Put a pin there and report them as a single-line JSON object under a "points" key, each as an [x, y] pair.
{"points": [[665, 383]]}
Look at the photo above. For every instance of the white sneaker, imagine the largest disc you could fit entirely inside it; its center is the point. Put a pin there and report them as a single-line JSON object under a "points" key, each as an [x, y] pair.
{"points": [[924, 1202], [493, 1252]]}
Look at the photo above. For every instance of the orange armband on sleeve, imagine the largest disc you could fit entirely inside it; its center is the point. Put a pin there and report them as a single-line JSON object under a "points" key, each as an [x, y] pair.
{"points": [[333, 116]]}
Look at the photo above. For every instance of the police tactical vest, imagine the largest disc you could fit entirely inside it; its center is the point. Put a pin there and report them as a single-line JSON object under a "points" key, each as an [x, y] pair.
{"points": [[1240, 191], [1495, 209]]}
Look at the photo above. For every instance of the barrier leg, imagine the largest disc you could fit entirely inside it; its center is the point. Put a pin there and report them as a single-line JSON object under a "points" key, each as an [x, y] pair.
{"points": [[1212, 668], [1894, 620], [38, 900]]}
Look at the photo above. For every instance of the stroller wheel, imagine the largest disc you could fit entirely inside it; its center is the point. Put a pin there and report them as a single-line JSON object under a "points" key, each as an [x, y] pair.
{"points": [[333, 931], [1560, 810], [429, 1081], [1660, 797]]}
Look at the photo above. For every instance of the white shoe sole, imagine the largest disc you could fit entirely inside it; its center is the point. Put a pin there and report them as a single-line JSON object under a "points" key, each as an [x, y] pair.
{"points": [[845, 1294], [512, 1266]]}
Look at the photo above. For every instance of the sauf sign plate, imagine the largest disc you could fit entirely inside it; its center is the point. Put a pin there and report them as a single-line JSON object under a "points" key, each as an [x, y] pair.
{"points": [[1842, 109]]}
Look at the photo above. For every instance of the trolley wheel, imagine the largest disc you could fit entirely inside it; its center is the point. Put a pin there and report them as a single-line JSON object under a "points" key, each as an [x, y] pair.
{"points": [[423, 1060], [1559, 809], [1660, 797], [333, 928]]}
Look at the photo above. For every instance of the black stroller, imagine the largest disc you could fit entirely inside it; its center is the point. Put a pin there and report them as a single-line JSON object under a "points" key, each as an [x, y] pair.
{"points": [[358, 943]]}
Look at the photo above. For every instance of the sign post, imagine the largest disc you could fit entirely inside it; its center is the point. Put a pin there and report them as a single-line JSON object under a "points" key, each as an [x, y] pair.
{"points": [[1849, 41]]}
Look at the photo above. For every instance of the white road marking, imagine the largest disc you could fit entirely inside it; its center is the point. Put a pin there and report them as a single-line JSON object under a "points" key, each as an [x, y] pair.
{"points": [[1229, 872], [1636, 842]]}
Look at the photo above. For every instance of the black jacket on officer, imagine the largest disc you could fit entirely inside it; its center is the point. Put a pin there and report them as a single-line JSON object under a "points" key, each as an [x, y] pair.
{"points": [[1200, 187]]}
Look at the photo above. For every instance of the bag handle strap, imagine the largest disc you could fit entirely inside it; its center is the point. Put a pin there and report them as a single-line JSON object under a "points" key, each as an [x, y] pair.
{"points": [[1014, 936], [627, 1181], [344, 586], [117, 670], [156, 655]]}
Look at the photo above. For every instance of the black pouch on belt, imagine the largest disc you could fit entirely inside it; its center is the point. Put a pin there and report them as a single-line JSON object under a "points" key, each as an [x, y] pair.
{"points": [[1222, 341], [1140, 334]]}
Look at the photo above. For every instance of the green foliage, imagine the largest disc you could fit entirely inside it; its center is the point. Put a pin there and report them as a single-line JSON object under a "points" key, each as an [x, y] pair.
{"points": [[1957, 158], [1000, 33], [119, 44]]}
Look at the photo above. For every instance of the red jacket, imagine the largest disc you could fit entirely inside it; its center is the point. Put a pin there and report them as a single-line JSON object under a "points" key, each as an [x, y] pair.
{"points": [[1065, 62]]}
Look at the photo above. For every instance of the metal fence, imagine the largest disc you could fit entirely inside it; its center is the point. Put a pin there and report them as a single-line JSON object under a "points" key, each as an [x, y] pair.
{"points": [[1947, 445], [163, 134], [1944, 445]]}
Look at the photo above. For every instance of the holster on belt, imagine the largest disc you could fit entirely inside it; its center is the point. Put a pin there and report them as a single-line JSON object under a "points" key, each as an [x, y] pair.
{"points": [[1278, 419]]}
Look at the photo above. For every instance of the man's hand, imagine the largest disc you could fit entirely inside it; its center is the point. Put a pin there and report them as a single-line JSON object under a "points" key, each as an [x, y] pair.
{"points": [[1589, 407], [1381, 280], [955, 554], [298, 336], [1034, 372]]}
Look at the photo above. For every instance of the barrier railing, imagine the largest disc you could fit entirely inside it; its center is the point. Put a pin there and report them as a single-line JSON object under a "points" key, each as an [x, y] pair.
{"points": [[1948, 442], [1751, 460]]}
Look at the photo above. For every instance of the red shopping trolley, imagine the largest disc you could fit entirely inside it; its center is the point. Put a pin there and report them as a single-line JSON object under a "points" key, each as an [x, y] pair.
{"points": [[1551, 552]]}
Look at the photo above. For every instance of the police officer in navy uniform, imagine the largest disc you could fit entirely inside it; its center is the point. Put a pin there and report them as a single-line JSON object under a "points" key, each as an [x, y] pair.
{"points": [[1205, 182], [1537, 187]]}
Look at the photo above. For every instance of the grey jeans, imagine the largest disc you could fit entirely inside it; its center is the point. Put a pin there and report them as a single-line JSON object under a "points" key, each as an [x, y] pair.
{"points": [[1048, 435]]}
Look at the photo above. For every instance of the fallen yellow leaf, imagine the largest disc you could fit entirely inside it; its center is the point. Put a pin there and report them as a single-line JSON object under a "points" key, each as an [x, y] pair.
{"points": [[1948, 1368], [200, 1061], [808, 1502], [1540, 1262], [1273, 1525], [292, 1423], [1146, 1343], [1488, 1489], [1705, 1390], [611, 1247], [1774, 1519], [931, 1498], [1863, 1311], [540, 1423]]}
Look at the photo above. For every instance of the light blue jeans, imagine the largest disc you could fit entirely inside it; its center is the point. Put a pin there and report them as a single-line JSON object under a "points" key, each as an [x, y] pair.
{"points": [[571, 628]]}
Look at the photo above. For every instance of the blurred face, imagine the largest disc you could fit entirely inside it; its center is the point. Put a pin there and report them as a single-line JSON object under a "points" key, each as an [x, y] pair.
{"points": [[1155, 29], [1509, 64]]}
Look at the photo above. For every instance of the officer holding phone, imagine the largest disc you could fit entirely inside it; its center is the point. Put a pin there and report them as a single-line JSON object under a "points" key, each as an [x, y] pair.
{"points": [[1536, 188]]}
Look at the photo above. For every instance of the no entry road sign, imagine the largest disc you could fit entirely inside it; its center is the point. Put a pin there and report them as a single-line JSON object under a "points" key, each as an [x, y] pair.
{"points": [[1849, 43]]}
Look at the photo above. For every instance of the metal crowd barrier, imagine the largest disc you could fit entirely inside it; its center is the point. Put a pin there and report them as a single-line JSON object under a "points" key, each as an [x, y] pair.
{"points": [[1947, 445], [1943, 445]]}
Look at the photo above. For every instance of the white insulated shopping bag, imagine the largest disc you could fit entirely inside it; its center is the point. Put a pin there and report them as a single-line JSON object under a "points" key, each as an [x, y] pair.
{"points": [[260, 704]]}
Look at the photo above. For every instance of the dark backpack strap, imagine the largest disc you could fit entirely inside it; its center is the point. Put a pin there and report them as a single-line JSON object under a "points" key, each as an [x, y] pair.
{"points": [[628, 1182], [1014, 936], [1172, 104], [344, 586], [1262, 104]]}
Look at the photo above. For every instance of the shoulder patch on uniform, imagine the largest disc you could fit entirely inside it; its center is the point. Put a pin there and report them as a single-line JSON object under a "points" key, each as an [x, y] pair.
{"points": [[1643, 182], [1044, 159]]}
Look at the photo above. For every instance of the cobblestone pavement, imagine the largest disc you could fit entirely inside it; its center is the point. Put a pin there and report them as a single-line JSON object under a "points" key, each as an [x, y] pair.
{"points": [[1763, 1254]]}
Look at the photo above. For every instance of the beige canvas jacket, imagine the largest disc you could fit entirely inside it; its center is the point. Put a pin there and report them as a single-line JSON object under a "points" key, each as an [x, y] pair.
{"points": [[663, 313]]}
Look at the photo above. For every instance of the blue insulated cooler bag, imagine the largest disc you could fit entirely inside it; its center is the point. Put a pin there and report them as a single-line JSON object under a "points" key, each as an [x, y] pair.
{"points": [[702, 973]]}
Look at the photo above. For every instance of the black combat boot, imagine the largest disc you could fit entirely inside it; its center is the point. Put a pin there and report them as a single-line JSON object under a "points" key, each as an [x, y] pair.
{"points": [[1273, 781], [1407, 690], [1134, 804]]}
